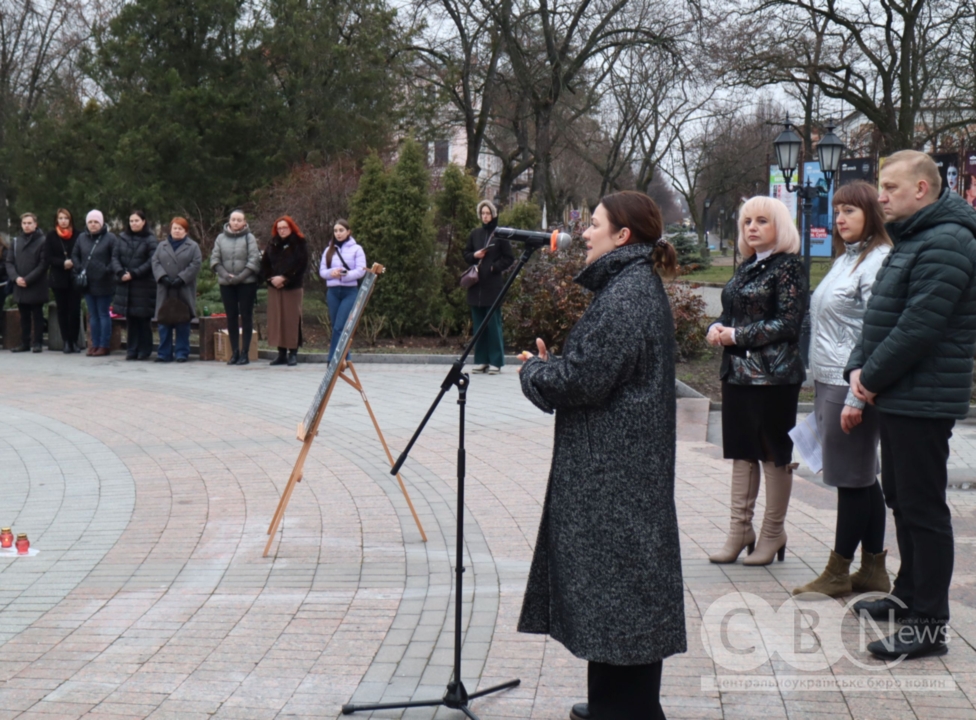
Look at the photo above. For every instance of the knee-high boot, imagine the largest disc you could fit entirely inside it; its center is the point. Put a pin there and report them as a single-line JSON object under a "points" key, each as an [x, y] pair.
{"points": [[745, 489], [772, 536]]}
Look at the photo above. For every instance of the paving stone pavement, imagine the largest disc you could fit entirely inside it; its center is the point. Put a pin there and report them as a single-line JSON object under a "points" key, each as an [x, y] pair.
{"points": [[148, 491]]}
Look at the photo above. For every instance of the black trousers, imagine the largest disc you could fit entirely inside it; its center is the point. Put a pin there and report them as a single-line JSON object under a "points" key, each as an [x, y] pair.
{"points": [[625, 692], [914, 452], [239, 306], [69, 313], [28, 313], [138, 337]]}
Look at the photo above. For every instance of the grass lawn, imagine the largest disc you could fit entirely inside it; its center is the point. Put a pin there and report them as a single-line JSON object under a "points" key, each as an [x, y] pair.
{"points": [[717, 274]]}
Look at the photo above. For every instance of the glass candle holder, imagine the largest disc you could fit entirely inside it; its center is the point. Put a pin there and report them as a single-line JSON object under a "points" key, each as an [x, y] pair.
{"points": [[6, 538], [23, 544]]}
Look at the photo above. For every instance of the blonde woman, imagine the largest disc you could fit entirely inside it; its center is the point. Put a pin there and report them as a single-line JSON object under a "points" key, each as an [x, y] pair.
{"points": [[762, 310]]}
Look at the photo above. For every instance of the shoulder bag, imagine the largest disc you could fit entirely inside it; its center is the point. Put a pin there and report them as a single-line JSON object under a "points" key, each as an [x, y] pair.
{"points": [[470, 277], [81, 279]]}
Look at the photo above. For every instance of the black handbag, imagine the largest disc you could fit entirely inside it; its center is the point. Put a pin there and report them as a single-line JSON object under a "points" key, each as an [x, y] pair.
{"points": [[81, 278], [173, 311]]}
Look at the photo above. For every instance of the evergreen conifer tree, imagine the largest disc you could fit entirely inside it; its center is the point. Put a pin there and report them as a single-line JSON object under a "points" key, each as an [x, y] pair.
{"points": [[456, 216]]}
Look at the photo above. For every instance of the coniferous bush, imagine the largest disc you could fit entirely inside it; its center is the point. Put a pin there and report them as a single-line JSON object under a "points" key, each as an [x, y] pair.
{"points": [[455, 216], [390, 216]]}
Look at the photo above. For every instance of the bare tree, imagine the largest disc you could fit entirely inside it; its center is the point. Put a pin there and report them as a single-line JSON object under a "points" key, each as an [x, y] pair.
{"points": [[551, 46], [894, 61], [459, 53], [38, 41]]}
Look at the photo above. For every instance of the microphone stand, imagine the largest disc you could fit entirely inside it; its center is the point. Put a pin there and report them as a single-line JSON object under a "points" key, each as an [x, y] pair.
{"points": [[456, 697]]}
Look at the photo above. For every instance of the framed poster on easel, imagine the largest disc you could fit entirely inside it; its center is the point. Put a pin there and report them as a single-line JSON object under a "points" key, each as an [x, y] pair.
{"points": [[308, 427]]}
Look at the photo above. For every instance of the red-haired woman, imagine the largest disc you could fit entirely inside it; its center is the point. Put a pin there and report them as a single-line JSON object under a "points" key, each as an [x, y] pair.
{"points": [[762, 310], [283, 267], [606, 574], [849, 428]]}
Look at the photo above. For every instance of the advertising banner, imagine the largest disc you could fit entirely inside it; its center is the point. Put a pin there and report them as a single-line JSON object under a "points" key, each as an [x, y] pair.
{"points": [[855, 169], [969, 179], [777, 189], [822, 218], [948, 170]]}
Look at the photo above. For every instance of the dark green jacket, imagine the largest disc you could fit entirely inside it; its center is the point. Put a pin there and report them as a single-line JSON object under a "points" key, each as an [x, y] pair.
{"points": [[916, 346]]}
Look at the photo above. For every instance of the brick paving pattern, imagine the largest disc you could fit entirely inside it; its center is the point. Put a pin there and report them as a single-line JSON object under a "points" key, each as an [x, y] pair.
{"points": [[148, 491]]}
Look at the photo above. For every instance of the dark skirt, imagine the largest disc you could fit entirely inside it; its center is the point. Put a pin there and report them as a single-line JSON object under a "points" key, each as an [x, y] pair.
{"points": [[849, 461], [756, 421]]}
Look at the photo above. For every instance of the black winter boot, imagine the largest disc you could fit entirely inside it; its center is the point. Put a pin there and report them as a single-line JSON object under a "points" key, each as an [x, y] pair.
{"points": [[282, 357], [293, 357]]}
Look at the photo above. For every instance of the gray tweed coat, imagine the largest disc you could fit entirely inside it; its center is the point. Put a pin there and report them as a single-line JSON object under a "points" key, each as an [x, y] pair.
{"points": [[606, 576]]}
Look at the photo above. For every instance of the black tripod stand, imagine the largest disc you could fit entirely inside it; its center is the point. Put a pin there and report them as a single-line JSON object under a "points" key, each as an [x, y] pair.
{"points": [[457, 696]]}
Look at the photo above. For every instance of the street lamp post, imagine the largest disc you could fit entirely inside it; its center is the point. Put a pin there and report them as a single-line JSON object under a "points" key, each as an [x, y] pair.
{"points": [[829, 150]]}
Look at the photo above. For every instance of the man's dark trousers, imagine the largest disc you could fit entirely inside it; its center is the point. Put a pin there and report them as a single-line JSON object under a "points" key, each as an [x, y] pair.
{"points": [[914, 453]]}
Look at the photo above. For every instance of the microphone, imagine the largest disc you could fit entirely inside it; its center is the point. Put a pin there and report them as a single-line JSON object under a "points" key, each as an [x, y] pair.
{"points": [[554, 241]]}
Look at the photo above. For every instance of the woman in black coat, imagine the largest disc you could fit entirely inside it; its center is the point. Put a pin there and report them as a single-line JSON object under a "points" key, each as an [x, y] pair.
{"points": [[493, 256], [60, 243], [92, 258], [135, 294], [762, 310], [606, 574]]}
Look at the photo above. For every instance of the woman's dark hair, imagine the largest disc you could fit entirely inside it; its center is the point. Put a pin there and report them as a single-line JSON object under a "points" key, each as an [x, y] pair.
{"points": [[331, 251], [62, 211], [139, 213], [863, 196], [641, 215], [236, 210]]}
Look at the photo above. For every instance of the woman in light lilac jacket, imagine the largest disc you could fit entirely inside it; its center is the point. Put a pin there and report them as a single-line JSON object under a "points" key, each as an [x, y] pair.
{"points": [[343, 266]]}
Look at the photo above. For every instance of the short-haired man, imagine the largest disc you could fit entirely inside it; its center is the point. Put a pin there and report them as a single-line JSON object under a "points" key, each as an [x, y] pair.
{"points": [[26, 261], [914, 361]]}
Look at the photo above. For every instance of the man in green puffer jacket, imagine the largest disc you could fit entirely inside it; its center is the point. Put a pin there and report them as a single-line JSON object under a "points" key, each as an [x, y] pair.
{"points": [[914, 361]]}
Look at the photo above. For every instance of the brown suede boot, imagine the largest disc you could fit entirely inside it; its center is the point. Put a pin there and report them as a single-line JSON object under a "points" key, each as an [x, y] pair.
{"points": [[745, 489], [772, 536], [872, 576], [834, 581]]}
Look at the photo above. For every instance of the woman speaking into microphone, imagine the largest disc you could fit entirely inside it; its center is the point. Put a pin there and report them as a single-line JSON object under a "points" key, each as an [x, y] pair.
{"points": [[606, 575]]}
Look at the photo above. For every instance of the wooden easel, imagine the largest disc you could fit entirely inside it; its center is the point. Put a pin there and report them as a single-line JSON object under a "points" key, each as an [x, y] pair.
{"points": [[307, 436]]}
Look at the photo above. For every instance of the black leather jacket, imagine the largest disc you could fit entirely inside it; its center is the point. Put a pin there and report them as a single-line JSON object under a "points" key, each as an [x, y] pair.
{"points": [[765, 302]]}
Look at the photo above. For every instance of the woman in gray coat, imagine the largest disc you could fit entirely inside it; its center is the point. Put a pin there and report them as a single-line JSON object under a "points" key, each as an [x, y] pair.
{"points": [[135, 295], [176, 265], [606, 575], [92, 267], [236, 259]]}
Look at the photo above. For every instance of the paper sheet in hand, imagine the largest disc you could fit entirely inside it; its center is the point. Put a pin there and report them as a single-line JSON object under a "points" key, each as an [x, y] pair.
{"points": [[806, 438]]}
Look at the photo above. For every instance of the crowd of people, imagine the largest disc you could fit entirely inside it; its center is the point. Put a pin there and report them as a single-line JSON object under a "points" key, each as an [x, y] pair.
{"points": [[136, 276], [893, 328], [139, 278]]}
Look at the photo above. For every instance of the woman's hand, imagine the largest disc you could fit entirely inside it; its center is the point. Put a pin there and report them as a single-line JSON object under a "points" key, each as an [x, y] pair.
{"points": [[543, 352], [714, 334], [480, 254], [127, 277], [336, 273], [68, 264], [726, 336], [21, 282], [278, 281], [850, 418]]}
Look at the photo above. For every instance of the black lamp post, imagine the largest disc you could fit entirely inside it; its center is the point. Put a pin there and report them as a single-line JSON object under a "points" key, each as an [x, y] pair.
{"points": [[829, 150]]}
